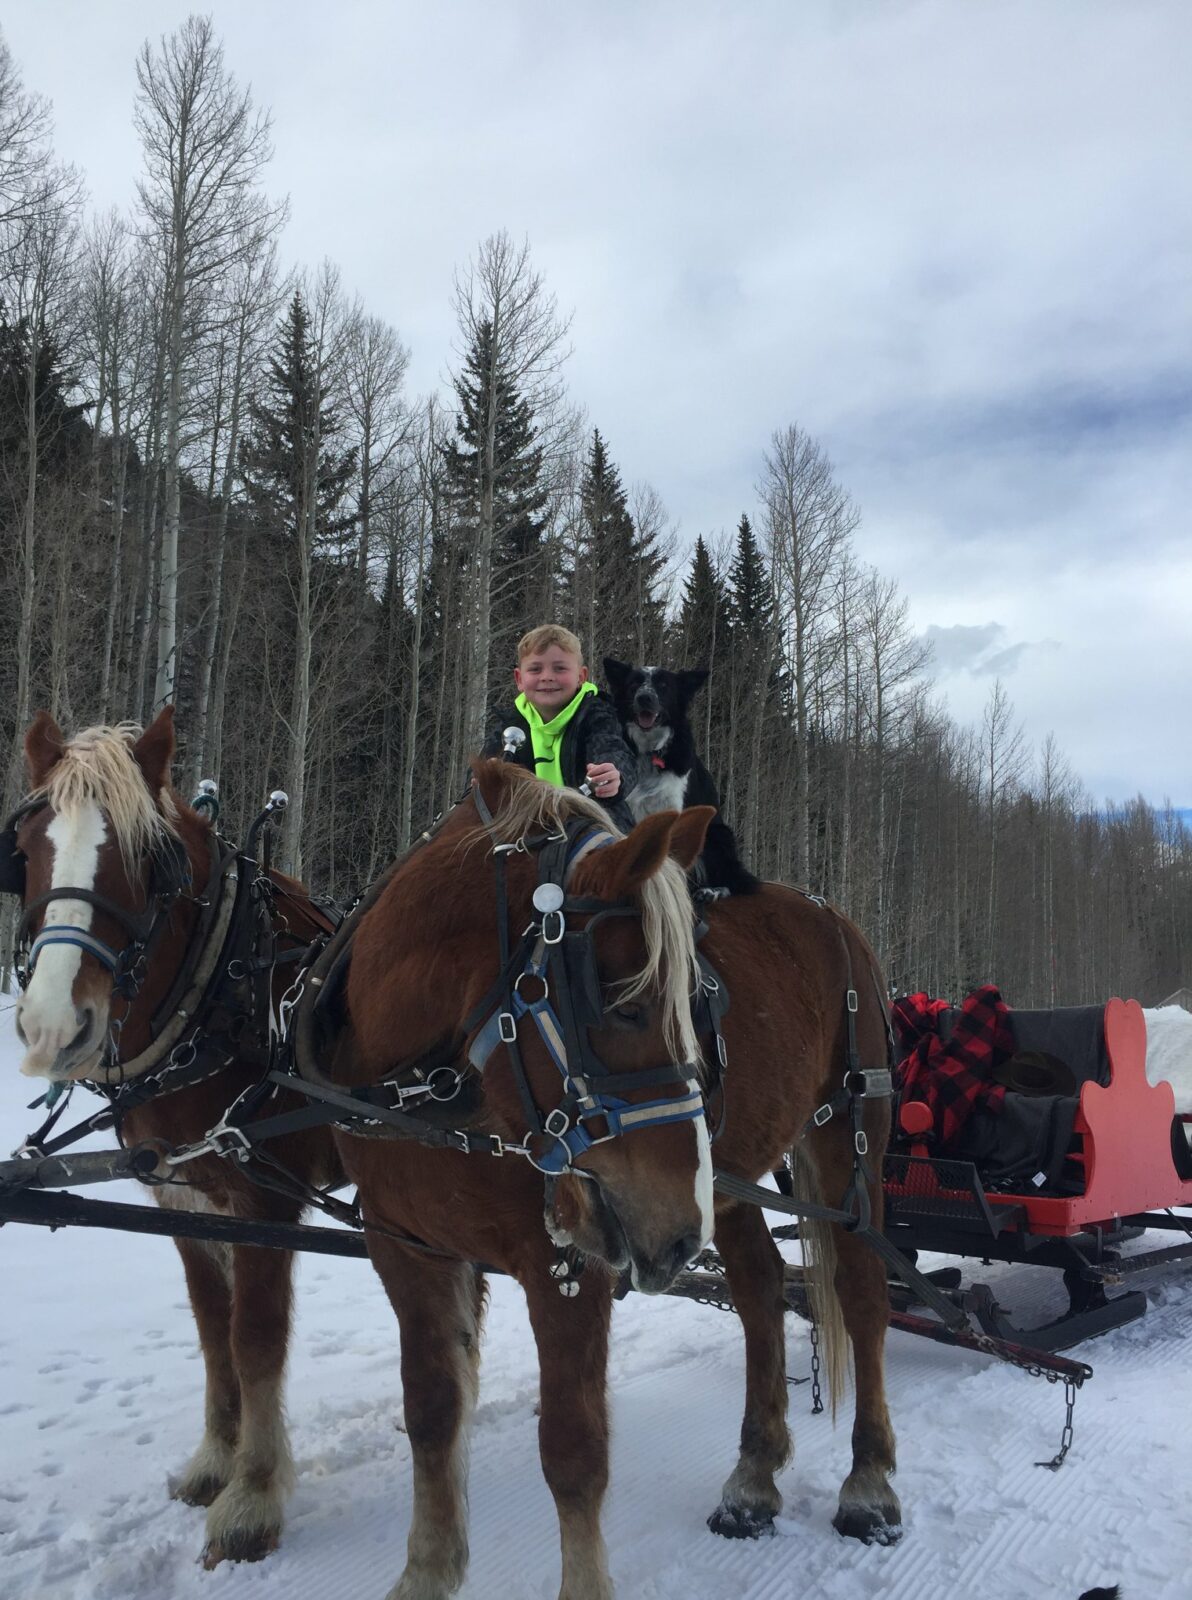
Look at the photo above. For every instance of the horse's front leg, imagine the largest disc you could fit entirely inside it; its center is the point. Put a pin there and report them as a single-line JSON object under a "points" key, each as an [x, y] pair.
{"points": [[572, 1336], [440, 1310], [244, 1522], [208, 1282], [750, 1499]]}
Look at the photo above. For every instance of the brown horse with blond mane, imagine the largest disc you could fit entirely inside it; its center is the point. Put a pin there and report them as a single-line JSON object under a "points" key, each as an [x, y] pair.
{"points": [[100, 820], [421, 988]]}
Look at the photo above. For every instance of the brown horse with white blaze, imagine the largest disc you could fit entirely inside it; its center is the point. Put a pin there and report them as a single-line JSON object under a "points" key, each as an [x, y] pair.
{"points": [[420, 988], [100, 820]]}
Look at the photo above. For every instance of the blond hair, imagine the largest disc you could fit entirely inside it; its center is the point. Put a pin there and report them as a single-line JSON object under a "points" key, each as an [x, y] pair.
{"points": [[549, 636], [98, 767]]}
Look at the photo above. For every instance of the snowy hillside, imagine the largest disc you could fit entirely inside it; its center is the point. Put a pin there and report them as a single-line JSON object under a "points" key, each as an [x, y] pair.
{"points": [[101, 1396]]}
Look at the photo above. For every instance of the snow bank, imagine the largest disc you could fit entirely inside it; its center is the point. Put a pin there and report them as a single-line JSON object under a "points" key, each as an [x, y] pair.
{"points": [[1169, 1051]]}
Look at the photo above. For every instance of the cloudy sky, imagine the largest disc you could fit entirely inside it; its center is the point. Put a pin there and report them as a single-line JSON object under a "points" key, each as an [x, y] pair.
{"points": [[951, 240]]}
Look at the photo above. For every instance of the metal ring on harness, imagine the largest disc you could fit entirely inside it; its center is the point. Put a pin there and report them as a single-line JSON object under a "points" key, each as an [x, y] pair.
{"points": [[453, 1088], [539, 977]]}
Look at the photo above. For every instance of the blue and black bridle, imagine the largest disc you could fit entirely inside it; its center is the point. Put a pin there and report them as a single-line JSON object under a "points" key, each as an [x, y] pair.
{"points": [[555, 960]]}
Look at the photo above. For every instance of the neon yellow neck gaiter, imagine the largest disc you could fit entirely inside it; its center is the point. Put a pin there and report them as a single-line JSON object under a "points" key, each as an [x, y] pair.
{"points": [[546, 738]]}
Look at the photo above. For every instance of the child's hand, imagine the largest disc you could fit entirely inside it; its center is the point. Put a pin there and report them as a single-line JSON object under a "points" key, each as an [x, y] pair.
{"points": [[605, 779]]}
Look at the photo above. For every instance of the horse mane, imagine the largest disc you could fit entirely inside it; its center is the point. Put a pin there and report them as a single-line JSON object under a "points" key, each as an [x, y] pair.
{"points": [[98, 767], [529, 805]]}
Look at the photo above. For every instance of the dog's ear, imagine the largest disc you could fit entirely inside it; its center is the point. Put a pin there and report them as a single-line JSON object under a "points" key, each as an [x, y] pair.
{"points": [[616, 673], [690, 683]]}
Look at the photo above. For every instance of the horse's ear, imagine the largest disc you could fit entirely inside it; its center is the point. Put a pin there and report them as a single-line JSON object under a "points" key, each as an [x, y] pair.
{"points": [[492, 775], [691, 681], [154, 751], [44, 748], [615, 672], [616, 871], [687, 841]]}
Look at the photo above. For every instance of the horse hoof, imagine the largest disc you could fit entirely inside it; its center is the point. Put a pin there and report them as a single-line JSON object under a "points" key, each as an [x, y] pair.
{"points": [[867, 1523], [240, 1547], [196, 1491], [739, 1522]]}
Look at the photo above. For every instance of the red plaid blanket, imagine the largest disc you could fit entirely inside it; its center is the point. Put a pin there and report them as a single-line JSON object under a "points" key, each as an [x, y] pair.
{"points": [[952, 1076]]}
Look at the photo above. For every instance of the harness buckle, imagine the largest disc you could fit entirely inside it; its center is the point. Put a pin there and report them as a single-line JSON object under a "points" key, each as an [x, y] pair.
{"points": [[553, 927], [877, 1083], [557, 1123], [850, 1000], [825, 1114], [722, 1052], [507, 1027], [861, 1142]]}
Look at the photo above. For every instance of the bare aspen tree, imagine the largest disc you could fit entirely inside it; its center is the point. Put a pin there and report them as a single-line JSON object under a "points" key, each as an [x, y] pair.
{"points": [[375, 363], [809, 519], [893, 657], [42, 255], [328, 328], [656, 530], [1003, 755], [205, 150], [118, 355], [24, 148], [427, 517], [251, 295], [1054, 788], [501, 302]]}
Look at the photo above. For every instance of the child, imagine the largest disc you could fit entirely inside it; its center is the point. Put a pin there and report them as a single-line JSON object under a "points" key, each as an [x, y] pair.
{"points": [[572, 730]]}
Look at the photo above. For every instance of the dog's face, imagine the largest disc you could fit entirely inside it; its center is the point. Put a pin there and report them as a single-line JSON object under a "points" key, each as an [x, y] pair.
{"points": [[651, 696]]}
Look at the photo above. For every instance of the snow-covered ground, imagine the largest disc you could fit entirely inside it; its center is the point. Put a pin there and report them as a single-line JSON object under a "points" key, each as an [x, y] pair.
{"points": [[101, 1396]]}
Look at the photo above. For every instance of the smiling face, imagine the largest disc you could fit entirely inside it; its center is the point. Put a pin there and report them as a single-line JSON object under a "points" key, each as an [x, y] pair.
{"points": [[550, 679]]}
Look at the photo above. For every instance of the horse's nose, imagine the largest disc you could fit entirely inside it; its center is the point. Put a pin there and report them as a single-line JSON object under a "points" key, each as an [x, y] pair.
{"points": [[82, 1040], [684, 1250]]}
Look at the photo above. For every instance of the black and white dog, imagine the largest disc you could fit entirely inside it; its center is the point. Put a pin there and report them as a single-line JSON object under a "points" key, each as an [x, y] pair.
{"points": [[652, 705]]}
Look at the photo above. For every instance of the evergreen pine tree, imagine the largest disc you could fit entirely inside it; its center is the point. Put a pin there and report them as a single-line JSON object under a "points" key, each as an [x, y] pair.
{"points": [[274, 456], [518, 498], [703, 639], [703, 630], [751, 601], [616, 571]]}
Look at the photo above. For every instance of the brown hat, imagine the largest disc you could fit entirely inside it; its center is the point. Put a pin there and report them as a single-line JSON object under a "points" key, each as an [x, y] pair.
{"points": [[1035, 1072]]}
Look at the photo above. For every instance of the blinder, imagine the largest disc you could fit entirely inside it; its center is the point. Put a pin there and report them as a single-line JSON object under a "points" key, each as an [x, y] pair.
{"points": [[12, 857]]}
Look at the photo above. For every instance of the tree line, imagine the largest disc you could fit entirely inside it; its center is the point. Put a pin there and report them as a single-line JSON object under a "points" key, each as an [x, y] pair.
{"points": [[216, 490]]}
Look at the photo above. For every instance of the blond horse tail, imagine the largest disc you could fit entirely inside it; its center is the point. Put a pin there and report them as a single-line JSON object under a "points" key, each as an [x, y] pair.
{"points": [[819, 1268]]}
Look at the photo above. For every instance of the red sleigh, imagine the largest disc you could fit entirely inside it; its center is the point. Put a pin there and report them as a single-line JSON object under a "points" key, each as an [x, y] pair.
{"points": [[1122, 1167]]}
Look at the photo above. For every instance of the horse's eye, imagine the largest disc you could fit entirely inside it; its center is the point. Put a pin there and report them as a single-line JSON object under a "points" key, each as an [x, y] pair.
{"points": [[631, 1015]]}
